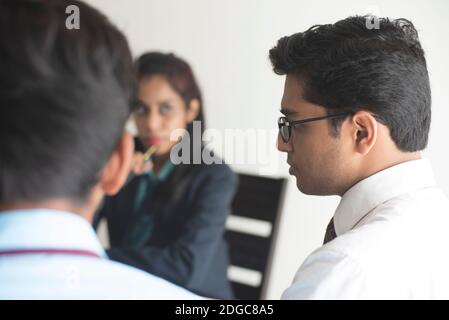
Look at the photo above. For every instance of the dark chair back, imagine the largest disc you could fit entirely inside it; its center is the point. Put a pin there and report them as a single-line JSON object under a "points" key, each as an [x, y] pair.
{"points": [[251, 233]]}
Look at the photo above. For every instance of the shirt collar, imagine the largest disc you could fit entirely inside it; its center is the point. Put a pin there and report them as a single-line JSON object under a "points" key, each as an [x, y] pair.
{"points": [[47, 229], [165, 171], [369, 193]]}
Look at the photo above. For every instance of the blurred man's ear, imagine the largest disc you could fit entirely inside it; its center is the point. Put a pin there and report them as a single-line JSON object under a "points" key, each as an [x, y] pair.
{"points": [[118, 167]]}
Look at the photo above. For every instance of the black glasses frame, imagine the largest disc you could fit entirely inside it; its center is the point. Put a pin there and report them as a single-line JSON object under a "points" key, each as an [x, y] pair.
{"points": [[284, 123]]}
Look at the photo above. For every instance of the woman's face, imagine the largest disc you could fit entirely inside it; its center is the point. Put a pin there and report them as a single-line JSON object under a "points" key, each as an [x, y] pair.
{"points": [[160, 112]]}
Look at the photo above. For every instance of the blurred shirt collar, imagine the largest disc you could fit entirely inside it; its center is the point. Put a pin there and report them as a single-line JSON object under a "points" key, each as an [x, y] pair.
{"points": [[47, 229]]}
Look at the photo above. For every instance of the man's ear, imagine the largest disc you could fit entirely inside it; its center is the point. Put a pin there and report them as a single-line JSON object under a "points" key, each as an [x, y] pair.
{"points": [[117, 169], [193, 110], [365, 130]]}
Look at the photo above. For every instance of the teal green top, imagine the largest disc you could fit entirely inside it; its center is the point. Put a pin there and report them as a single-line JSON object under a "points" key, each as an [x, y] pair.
{"points": [[143, 227]]}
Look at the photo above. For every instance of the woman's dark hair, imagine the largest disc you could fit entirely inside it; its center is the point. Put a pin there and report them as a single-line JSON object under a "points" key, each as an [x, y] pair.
{"points": [[351, 66], [65, 96], [178, 74]]}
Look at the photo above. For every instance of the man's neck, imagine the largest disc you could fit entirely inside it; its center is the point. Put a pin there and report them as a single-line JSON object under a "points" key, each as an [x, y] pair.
{"points": [[377, 166]]}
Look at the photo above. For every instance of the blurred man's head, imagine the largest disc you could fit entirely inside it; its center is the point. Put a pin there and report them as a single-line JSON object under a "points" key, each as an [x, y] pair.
{"points": [[377, 78], [65, 95]]}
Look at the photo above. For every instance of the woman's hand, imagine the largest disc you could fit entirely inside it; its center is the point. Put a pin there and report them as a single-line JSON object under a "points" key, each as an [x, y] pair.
{"points": [[139, 166]]}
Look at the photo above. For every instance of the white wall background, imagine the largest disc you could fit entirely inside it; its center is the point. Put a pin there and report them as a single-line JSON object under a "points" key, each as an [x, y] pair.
{"points": [[227, 44]]}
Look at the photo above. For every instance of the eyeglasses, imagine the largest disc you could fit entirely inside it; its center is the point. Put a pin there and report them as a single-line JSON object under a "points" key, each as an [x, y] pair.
{"points": [[285, 126]]}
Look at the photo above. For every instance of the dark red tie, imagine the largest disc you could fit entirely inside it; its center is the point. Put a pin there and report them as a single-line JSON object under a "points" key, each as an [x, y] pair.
{"points": [[330, 232]]}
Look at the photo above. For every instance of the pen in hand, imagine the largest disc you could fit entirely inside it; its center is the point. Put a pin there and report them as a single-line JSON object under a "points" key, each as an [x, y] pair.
{"points": [[147, 155], [141, 162]]}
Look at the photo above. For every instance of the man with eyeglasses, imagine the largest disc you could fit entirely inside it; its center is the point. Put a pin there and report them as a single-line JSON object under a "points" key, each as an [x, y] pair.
{"points": [[356, 108]]}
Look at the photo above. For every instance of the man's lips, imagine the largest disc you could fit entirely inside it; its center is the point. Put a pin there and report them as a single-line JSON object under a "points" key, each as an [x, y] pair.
{"points": [[291, 169]]}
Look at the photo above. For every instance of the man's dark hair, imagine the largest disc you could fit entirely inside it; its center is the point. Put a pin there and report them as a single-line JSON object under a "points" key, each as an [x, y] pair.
{"points": [[65, 95], [347, 66]]}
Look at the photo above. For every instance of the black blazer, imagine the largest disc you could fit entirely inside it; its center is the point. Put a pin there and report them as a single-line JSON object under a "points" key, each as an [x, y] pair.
{"points": [[187, 246]]}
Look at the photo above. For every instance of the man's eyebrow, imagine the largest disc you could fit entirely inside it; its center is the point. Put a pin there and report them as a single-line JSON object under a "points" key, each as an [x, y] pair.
{"points": [[287, 112]]}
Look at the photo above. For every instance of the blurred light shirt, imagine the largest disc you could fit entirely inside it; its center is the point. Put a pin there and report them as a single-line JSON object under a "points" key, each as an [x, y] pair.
{"points": [[392, 241], [88, 274]]}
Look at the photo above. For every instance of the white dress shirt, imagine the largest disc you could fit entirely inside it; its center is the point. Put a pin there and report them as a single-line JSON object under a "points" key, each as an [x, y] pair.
{"points": [[67, 276], [392, 241]]}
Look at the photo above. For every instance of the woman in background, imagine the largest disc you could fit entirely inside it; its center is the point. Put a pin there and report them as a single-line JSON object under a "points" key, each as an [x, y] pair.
{"points": [[170, 220]]}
